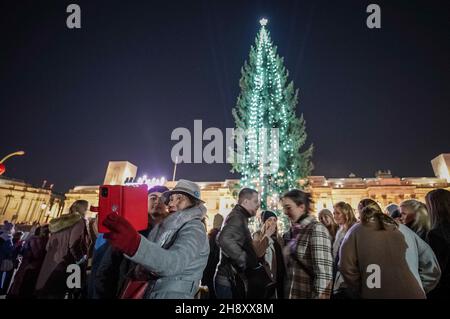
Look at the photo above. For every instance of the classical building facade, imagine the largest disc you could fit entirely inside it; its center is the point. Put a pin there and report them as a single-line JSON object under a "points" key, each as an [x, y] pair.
{"points": [[22, 203], [383, 188], [217, 196]]}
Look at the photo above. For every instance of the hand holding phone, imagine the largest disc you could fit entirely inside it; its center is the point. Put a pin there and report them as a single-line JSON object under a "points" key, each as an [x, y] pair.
{"points": [[129, 202]]}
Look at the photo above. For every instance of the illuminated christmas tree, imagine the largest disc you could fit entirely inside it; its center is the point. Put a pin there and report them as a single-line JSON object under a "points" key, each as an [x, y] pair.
{"points": [[266, 112]]}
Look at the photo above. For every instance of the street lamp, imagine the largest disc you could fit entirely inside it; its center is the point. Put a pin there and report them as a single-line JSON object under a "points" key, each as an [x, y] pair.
{"points": [[2, 166]]}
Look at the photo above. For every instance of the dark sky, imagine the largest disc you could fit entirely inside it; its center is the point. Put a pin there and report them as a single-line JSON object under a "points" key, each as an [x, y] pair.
{"points": [[115, 90]]}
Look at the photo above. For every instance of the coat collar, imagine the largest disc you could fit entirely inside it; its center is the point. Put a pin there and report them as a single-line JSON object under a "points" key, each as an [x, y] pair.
{"points": [[242, 210], [305, 219], [64, 222], [163, 231]]}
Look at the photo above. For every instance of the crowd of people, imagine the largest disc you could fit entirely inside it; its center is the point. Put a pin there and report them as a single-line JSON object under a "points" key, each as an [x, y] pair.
{"points": [[401, 251]]}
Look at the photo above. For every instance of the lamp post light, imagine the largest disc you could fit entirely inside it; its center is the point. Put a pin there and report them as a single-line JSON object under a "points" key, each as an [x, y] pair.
{"points": [[2, 166]]}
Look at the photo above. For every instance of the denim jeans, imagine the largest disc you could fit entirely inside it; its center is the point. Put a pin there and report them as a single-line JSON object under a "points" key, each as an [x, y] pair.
{"points": [[223, 292]]}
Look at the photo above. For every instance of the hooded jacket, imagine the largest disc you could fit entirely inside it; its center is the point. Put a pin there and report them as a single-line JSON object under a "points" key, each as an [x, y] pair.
{"points": [[68, 243]]}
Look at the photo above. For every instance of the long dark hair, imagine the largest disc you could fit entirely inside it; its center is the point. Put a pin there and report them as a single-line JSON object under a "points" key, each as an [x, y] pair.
{"points": [[438, 204], [299, 197]]}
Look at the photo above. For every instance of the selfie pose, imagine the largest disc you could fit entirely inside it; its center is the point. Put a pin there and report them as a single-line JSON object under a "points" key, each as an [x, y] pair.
{"points": [[176, 250], [110, 269]]}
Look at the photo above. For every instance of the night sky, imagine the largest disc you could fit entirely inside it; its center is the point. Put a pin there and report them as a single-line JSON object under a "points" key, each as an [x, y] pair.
{"points": [[115, 90]]}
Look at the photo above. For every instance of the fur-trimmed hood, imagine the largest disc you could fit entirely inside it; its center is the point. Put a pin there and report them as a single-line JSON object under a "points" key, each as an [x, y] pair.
{"points": [[64, 222]]}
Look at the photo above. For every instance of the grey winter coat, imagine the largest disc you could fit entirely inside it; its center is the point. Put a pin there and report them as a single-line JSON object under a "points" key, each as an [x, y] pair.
{"points": [[179, 266], [421, 260]]}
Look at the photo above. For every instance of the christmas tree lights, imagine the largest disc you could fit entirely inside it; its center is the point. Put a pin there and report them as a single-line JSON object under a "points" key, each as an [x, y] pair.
{"points": [[266, 111]]}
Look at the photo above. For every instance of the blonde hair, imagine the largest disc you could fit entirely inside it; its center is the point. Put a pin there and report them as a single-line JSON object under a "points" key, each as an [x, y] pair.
{"points": [[347, 210], [333, 227], [326, 212], [421, 219], [78, 206]]}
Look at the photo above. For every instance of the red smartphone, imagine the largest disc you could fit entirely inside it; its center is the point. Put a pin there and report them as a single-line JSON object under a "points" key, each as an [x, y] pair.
{"points": [[130, 202]]}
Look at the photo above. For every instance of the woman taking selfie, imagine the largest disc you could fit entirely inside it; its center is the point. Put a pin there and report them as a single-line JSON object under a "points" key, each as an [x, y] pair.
{"points": [[175, 252]]}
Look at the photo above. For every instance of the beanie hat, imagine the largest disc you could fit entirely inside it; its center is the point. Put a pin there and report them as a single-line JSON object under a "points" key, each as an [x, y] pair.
{"points": [[393, 210], [265, 215], [158, 189]]}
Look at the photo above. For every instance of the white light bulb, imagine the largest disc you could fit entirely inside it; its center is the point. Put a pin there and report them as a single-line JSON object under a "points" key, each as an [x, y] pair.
{"points": [[263, 21]]}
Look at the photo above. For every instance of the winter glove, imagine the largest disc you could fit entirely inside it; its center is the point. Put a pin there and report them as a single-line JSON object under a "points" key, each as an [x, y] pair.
{"points": [[123, 236]]}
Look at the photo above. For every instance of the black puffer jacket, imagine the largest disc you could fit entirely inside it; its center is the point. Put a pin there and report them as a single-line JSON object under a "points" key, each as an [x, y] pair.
{"points": [[236, 246]]}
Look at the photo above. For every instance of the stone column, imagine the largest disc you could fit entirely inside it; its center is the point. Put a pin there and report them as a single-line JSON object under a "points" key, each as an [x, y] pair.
{"points": [[29, 211], [8, 199]]}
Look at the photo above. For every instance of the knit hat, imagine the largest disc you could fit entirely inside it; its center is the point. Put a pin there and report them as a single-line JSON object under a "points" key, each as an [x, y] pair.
{"points": [[265, 215], [158, 189], [393, 210], [217, 221]]}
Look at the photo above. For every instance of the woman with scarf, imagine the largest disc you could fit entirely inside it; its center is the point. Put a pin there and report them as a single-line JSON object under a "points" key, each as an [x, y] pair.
{"points": [[308, 250], [175, 252]]}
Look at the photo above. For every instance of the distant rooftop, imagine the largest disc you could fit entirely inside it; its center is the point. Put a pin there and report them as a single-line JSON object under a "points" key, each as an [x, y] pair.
{"points": [[13, 181]]}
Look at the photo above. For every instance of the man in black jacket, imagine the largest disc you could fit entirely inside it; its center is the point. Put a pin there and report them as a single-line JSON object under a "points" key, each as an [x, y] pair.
{"points": [[237, 255]]}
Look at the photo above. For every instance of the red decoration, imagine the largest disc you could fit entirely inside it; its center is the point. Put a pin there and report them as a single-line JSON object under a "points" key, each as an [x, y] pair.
{"points": [[2, 168]]}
